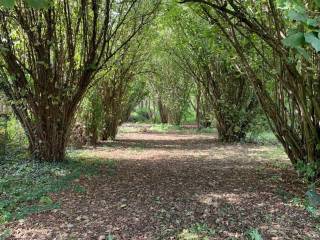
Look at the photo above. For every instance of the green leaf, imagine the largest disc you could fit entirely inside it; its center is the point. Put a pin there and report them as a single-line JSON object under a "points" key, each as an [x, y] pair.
{"points": [[313, 196], [297, 16], [45, 200], [312, 22], [110, 237], [7, 3], [38, 4], [303, 52], [313, 40], [294, 40], [317, 2]]}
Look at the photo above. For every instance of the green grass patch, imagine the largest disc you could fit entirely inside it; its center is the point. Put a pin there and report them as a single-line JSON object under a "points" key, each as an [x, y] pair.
{"points": [[253, 234], [6, 233], [196, 232], [25, 186], [275, 156], [166, 128], [266, 137]]}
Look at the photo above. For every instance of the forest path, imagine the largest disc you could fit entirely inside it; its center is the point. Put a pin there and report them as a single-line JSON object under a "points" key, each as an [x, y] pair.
{"points": [[178, 184]]}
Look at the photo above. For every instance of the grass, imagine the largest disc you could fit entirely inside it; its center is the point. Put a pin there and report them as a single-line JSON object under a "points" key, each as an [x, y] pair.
{"points": [[275, 157], [166, 128], [26, 185], [263, 138], [253, 234], [266, 137], [196, 232]]}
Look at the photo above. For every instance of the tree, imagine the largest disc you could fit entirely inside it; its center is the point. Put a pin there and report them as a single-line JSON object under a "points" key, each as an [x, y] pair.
{"points": [[201, 53], [121, 88], [171, 87], [50, 56], [285, 79], [91, 114]]}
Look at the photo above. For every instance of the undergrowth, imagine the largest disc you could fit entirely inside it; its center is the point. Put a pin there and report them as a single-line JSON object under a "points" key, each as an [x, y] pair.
{"points": [[26, 185]]}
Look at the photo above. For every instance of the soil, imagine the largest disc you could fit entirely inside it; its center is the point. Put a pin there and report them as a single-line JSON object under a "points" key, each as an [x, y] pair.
{"points": [[165, 183]]}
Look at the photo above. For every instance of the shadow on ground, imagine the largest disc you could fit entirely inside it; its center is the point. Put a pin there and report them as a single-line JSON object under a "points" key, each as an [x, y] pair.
{"points": [[165, 183]]}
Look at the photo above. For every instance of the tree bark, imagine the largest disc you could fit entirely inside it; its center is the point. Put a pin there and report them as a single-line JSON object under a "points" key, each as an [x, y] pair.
{"points": [[110, 129], [162, 111], [48, 137]]}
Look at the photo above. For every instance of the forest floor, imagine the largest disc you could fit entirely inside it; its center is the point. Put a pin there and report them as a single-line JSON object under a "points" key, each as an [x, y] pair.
{"points": [[178, 185]]}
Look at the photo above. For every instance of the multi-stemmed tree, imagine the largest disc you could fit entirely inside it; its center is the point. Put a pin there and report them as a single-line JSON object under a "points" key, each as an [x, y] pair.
{"points": [[120, 88], [281, 65], [200, 52], [49, 57]]}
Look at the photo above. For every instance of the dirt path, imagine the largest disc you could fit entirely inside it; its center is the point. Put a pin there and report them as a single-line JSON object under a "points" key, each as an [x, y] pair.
{"points": [[165, 184]]}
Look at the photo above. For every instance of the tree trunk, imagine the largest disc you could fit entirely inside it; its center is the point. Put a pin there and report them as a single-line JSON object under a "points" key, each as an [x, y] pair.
{"points": [[110, 129], [162, 111], [48, 139], [228, 134], [175, 118], [94, 137], [198, 99]]}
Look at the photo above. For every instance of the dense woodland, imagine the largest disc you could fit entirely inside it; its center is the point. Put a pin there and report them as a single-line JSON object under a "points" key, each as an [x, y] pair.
{"points": [[73, 72]]}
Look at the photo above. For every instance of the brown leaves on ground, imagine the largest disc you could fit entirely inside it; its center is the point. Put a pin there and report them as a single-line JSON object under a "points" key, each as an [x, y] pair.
{"points": [[166, 183]]}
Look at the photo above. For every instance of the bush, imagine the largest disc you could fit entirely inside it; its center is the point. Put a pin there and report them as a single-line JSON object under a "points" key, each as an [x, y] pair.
{"points": [[12, 136], [16, 134]]}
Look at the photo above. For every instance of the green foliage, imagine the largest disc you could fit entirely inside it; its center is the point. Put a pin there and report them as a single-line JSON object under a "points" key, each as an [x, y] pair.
{"points": [[81, 39], [45, 200], [36, 4], [7, 3], [310, 203], [5, 234], [253, 234], [170, 86], [294, 40], [308, 170], [165, 128], [264, 137], [139, 115], [313, 197], [305, 29], [79, 189], [110, 237], [198, 231], [25, 186], [16, 133], [91, 114]]}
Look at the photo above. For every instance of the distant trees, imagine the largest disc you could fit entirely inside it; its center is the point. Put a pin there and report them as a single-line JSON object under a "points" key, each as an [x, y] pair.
{"points": [[121, 89], [91, 117], [50, 55], [171, 88], [200, 53], [116, 90]]}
